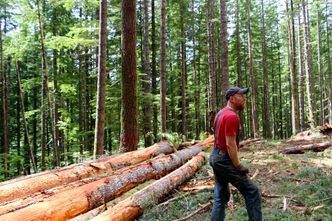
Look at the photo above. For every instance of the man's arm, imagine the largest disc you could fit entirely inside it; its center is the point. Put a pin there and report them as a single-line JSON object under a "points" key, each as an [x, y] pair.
{"points": [[232, 149], [232, 152]]}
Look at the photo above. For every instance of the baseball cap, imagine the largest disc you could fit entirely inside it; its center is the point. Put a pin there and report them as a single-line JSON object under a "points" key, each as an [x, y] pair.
{"points": [[235, 90]]}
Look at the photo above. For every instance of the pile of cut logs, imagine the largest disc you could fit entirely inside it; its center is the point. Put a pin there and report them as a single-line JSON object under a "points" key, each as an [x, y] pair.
{"points": [[65, 193]]}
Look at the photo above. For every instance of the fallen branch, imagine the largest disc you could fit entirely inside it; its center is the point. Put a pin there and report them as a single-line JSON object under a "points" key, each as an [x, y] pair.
{"points": [[200, 209], [134, 206], [26, 185], [310, 147], [75, 201]]}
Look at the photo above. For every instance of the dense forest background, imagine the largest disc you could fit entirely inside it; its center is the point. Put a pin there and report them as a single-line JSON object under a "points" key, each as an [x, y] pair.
{"points": [[165, 67]]}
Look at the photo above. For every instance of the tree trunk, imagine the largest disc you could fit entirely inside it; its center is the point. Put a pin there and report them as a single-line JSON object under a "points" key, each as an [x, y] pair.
{"points": [[45, 87], [294, 79], [224, 50], [154, 69], [147, 85], [302, 78], [63, 206], [4, 108], [196, 94], [129, 135], [252, 78], [320, 74], [163, 67], [26, 128], [26, 185], [238, 58], [309, 70], [134, 206], [212, 102], [266, 95], [18, 135], [55, 88], [101, 86], [183, 72], [329, 68]]}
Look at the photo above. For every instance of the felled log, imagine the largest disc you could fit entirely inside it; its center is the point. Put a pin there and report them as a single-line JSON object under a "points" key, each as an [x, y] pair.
{"points": [[26, 185], [317, 147], [70, 203], [134, 206]]}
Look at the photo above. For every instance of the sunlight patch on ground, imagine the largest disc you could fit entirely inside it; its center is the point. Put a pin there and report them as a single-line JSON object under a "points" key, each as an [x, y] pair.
{"points": [[322, 162]]}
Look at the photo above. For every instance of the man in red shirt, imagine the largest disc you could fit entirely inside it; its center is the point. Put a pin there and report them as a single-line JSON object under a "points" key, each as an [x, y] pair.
{"points": [[225, 162]]}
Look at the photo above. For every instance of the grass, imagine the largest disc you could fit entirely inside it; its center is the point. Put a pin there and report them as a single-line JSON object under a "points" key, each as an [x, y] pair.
{"points": [[306, 186]]}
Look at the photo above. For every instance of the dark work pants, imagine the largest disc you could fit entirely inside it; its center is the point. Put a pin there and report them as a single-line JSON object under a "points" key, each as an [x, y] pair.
{"points": [[224, 173]]}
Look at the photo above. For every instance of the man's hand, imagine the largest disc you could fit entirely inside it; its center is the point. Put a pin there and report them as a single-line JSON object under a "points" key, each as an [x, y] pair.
{"points": [[242, 169]]}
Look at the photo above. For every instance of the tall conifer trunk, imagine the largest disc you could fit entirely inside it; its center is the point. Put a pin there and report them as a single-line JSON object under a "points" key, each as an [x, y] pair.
{"points": [[308, 67], [266, 95], [5, 137], [183, 72], [101, 85], [329, 68], [154, 69], [224, 50], [301, 74], [147, 84], [45, 89], [212, 102], [252, 78], [320, 74], [129, 135], [163, 67]]}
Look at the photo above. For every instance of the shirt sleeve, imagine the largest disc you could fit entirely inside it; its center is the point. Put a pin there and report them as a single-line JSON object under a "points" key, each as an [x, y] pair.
{"points": [[231, 125]]}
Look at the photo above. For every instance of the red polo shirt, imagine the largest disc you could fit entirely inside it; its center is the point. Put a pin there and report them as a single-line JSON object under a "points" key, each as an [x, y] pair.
{"points": [[226, 123]]}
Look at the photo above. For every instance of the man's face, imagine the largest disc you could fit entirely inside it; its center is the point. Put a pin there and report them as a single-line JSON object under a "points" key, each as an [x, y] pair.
{"points": [[238, 101]]}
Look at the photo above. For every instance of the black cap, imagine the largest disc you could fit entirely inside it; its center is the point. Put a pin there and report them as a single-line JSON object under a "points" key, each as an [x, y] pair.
{"points": [[235, 90]]}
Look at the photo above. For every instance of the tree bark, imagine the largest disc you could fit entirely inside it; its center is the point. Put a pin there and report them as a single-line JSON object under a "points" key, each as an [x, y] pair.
{"points": [[129, 133], [183, 72], [134, 206], [320, 74], [266, 95], [329, 69], [302, 78], [26, 128], [46, 88], [309, 70], [318, 147], [26, 185], [64, 206], [148, 138], [196, 85], [101, 85], [252, 77], [224, 50], [4, 107], [163, 67], [212, 102], [55, 87], [238, 58], [154, 69]]}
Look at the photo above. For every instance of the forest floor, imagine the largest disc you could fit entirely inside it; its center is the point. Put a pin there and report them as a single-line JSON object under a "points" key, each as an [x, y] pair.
{"points": [[293, 186]]}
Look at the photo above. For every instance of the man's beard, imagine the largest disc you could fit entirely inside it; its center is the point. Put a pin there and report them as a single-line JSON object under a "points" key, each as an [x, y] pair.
{"points": [[240, 107]]}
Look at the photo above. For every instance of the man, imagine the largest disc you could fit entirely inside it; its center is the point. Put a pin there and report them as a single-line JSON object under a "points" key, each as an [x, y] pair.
{"points": [[225, 162]]}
